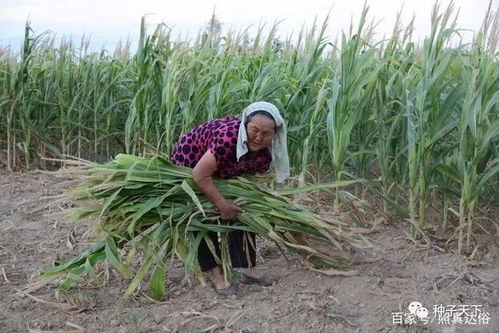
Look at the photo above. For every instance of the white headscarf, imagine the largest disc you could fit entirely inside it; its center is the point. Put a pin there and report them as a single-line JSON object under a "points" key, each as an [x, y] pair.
{"points": [[279, 149]]}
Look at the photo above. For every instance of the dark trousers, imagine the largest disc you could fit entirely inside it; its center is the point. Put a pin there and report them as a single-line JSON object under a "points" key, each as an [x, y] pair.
{"points": [[239, 250]]}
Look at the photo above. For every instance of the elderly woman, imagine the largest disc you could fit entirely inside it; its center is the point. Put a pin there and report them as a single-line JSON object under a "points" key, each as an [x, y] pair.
{"points": [[227, 148]]}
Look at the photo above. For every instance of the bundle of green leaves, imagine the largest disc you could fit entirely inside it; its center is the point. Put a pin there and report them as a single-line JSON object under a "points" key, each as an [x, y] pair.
{"points": [[151, 205]]}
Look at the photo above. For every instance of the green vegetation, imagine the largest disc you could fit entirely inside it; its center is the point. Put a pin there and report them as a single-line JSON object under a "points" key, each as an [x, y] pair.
{"points": [[151, 205], [422, 120]]}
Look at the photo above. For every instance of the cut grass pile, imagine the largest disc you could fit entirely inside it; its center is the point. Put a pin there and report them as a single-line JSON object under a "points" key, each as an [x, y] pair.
{"points": [[152, 206]]}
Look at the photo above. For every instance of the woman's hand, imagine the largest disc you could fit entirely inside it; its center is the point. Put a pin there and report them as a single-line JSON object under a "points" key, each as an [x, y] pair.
{"points": [[228, 210]]}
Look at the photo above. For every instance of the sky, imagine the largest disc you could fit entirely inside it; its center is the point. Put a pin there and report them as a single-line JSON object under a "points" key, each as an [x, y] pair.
{"points": [[107, 21]]}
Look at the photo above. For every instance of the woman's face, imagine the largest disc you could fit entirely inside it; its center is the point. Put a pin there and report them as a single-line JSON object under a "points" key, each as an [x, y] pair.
{"points": [[260, 131]]}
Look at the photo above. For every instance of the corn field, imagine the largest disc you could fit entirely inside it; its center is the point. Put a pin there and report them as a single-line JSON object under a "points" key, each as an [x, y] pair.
{"points": [[420, 122]]}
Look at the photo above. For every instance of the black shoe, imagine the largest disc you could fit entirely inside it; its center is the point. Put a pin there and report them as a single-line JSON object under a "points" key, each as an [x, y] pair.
{"points": [[226, 292], [264, 281]]}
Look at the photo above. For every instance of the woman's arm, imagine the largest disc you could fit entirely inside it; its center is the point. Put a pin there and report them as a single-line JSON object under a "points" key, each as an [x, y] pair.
{"points": [[202, 176]]}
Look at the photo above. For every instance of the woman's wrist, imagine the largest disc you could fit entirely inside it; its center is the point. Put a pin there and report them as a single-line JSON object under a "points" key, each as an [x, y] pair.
{"points": [[221, 204]]}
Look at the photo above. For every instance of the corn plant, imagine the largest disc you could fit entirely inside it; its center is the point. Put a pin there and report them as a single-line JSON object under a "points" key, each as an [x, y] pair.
{"points": [[475, 163], [352, 88], [429, 111]]}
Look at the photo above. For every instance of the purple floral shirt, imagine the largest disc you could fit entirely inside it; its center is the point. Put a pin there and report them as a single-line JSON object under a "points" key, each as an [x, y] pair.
{"points": [[220, 137]]}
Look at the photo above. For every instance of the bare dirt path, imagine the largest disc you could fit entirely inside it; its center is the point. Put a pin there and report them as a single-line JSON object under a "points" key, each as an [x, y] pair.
{"points": [[373, 299]]}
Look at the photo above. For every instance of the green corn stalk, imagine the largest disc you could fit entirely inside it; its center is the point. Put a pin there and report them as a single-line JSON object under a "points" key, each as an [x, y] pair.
{"points": [[429, 116], [351, 88], [302, 106], [23, 93], [474, 165]]}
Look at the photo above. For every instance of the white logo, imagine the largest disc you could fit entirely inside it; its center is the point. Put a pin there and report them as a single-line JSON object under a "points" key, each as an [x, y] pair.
{"points": [[418, 309], [422, 313]]}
